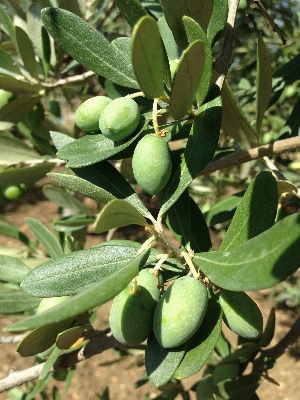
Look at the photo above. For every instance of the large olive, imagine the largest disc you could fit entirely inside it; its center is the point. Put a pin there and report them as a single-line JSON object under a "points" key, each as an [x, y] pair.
{"points": [[88, 113], [151, 163], [119, 119], [179, 312], [131, 314]]}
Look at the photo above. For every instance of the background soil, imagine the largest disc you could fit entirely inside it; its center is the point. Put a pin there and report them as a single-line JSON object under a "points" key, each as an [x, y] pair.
{"points": [[93, 376]]}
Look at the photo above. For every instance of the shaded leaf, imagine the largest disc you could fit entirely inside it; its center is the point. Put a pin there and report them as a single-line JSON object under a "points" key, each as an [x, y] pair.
{"points": [[8, 26], [224, 210], [241, 269], [199, 234], [88, 46], [217, 21], [202, 342], [64, 199], [201, 145], [147, 54], [49, 363], [173, 51], [161, 363], [187, 79], [12, 269], [7, 65], [16, 110], [14, 233], [25, 174], [132, 10], [118, 213], [242, 388], [263, 82], [256, 212], [45, 237], [26, 51], [69, 337], [269, 330], [14, 149], [16, 86]]}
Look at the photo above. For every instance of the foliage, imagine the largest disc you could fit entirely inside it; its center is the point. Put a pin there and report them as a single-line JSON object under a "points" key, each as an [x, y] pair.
{"points": [[168, 60]]}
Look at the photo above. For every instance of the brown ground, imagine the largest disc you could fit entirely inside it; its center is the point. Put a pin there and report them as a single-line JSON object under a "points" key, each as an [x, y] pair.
{"points": [[92, 377]]}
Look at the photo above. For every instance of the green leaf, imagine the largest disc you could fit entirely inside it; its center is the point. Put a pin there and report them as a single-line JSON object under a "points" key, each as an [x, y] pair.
{"points": [[38, 387], [60, 139], [224, 210], [205, 388], [49, 363], [263, 82], [26, 51], [94, 296], [242, 388], [202, 342], [88, 46], [147, 54], [123, 45], [81, 186], [199, 234], [14, 233], [75, 6], [76, 271], [15, 175], [234, 121], [16, 110], [132, 10], [64, 199], [12, 269], [201, 145], [187, 79], [79, 154], [269, 330], [35, 25], [105, 175], [40, 339], [200, 11], [7, 65], [45, 237], [14, 149], [256, 212], [194, 32], [15, 302], [162, 363], [217, 21], [7, 25], [241, 269], [46, 59], [118, 213], [173, 51], [16, 86]]}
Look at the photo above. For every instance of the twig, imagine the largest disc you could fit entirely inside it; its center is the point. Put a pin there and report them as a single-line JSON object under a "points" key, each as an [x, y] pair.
{"points": [[240, 157], [69, 80], [56, 161], [274, 26], [223, 62], [272, 167]]}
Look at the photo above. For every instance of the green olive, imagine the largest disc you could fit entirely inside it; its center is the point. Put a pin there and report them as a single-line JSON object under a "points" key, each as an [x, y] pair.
{"points": [[13, 193], [151, 163], [119, 119], [88, 113]]}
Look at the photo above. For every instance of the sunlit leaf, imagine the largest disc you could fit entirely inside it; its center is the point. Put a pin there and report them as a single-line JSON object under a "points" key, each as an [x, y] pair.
{"points": [[15, 302], [12, 269]]}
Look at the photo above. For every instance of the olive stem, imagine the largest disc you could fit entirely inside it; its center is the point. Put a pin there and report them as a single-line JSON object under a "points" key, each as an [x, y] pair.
{"points": [[136, 94], [189, 262], [162, 259], [154, 118], [148, 243], [134, 288]]}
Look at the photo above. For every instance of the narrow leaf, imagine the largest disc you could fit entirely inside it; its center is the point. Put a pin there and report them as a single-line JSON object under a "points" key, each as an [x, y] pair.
{"points": [[162, 363], [14, 233], [173, 51], [264, 82], [81, 186], [12, 269], [199, 234], [15, 302], [64, 199], [132, 10], [93, 296], [202, 343], [25, 174], [241, 269], [269, 330], [242, 388], [16, 110], [42, 338], [201, 145], [26, 52], [14, 149], [45, 237], [68, 338], [88, 46], [49, 363], [256, 212], [7, 65], [217, 21], [148, 57], [118, 213], [187, 79], [16, 86], [224, 210], [8, 25]]}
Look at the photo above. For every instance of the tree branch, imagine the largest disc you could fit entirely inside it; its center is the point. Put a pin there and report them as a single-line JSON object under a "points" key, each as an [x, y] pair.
{"points": [[69, 80], [242, 156]]}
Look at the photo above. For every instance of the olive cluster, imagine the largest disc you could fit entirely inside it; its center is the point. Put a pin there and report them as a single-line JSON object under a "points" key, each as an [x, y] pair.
{"points": [[174, 317], [117, 120]]}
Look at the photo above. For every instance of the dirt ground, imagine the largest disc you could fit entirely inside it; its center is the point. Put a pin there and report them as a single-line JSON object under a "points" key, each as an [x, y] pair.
{"points": [[93, 376]]}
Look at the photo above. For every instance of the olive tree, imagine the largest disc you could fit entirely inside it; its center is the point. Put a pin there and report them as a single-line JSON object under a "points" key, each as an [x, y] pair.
{"points": [[165, 79]]}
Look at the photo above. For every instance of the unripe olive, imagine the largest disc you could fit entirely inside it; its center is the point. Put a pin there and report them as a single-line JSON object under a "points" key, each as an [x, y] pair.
{"points": [[49, 302], [13, 193], [131, 314], [151, 163], [241, 314], [179, 312], [119, 119], [88, 113]]}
